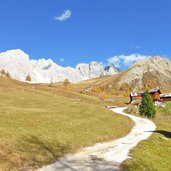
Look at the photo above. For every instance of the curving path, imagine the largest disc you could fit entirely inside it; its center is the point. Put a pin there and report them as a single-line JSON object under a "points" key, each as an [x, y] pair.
{"points": [[105, 156]]}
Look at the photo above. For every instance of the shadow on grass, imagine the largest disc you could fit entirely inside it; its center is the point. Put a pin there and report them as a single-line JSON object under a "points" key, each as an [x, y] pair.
{"points": [[167, 134], [90, 164], [37, 152]]}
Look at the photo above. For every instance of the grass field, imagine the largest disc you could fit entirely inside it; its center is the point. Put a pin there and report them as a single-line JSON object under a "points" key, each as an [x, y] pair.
{"points": [[39, 124], [154, 154]]}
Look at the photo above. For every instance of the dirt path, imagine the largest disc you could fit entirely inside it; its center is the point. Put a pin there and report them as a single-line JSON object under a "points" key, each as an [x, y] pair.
{"points": [[105, 156]]}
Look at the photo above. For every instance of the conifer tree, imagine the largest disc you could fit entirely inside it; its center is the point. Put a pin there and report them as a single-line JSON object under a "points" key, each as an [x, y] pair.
{"points": [[8, 75], [3, 72], [67, 84], [28, 78], [147, 107]]}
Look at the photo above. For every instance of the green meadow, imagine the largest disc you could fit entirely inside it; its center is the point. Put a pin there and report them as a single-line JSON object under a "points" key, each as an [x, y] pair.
{"points": [[154, 154]]}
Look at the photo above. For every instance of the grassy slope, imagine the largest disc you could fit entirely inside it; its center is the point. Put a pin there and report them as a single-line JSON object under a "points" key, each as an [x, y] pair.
{"points": [[37, 125], [154, 153]]}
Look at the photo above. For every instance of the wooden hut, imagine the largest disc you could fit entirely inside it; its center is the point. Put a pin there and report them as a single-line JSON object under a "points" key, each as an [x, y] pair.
{"points": [[165, 97], [135, 96], [155, 94]]}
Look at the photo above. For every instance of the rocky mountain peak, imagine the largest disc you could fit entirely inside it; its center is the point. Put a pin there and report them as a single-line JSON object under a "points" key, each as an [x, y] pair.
{"points": [[111, 69]]}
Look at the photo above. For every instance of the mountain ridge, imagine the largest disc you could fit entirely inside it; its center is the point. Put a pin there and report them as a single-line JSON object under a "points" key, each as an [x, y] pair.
{"points": [[18, 64], [150, 72]]}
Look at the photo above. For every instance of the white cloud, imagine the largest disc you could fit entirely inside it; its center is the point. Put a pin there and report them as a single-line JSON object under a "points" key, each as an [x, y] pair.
{"points": [[64, 16], [125, 60], [62, 59]]}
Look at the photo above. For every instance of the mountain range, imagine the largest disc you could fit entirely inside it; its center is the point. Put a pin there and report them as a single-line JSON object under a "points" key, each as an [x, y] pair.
{"points": [[149, 72], [19, 66]]}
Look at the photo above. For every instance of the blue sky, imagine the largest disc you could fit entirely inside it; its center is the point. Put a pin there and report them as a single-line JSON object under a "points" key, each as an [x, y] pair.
{"points": [[74, 31]]}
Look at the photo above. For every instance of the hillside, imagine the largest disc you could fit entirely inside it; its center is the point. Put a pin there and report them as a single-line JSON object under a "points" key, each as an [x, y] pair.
{"points": [[148, 73], [41, 122], [152, 72]]}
